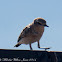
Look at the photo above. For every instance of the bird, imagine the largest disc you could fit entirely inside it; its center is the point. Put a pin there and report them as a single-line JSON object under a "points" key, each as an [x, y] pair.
{"points": [[32, 33]]}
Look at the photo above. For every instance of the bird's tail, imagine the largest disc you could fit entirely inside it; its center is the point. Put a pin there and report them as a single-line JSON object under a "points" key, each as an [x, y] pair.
{"points": [[17, 45]]}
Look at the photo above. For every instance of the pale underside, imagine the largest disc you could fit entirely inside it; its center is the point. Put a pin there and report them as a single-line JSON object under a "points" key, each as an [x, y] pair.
{"points": [[29, 40]]}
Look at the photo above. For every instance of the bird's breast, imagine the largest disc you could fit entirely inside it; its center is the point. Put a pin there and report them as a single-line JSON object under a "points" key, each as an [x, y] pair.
{"points": [[39, 31]]}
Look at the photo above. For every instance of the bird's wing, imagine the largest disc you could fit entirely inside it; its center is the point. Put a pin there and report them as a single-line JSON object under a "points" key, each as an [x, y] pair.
{"points": [[26, 31]]}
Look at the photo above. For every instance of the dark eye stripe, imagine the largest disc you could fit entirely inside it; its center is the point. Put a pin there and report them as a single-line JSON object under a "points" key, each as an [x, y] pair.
{"points": [[39, 23]]}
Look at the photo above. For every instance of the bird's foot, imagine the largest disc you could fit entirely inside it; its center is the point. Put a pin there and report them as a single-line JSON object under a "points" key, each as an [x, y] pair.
{"points": [[45, 48]]}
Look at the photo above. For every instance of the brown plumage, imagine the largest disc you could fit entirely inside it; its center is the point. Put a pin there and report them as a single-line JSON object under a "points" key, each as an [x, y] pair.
{"points": [[32, 33]]}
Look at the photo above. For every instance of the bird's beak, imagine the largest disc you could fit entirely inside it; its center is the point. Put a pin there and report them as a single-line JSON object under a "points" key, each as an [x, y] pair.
{"points": [[46, 25]]}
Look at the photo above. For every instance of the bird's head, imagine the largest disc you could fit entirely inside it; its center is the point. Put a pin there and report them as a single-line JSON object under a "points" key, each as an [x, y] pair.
{"points": [[40, 21]]}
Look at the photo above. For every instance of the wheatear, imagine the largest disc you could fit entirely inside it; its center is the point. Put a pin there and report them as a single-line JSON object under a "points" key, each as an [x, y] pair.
{"points": [[32, 33]]}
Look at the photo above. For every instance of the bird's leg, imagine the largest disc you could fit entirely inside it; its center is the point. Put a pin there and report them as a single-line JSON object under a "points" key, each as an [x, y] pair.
{"points": [[30, 46], [42, 47], [38, 45]]}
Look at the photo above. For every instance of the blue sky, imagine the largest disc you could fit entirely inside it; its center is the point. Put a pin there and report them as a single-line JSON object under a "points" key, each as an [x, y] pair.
{"points": [[16, 14]]}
